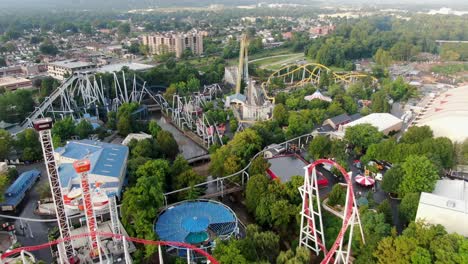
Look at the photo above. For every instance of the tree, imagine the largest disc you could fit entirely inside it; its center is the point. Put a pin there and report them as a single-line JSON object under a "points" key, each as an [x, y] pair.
{"points": [[386, 209], [83, 129], [188, 178], [132, 166], [28, 142], [301, 256], [259, 165], [420, 175], [417, 134], [281, 214], [6, 143], [4, 182], [409, 206], [337, 195], [319, 147], [167, 144], [382, 58], [392, 179], [362, 136], [280, 114], [143, 148], [229, 253], [154, 128], [141, 203], [256, 188], [48, 48], [380, 102], [124, 29], [64, 128]]}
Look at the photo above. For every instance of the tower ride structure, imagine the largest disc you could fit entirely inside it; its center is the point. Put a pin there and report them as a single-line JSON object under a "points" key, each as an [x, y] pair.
{"points": [[82, 167], [65, 249]]}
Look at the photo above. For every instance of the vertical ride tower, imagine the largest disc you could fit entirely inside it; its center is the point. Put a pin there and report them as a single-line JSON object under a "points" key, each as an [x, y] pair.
{"points": [[82, 167], [44, 126]]}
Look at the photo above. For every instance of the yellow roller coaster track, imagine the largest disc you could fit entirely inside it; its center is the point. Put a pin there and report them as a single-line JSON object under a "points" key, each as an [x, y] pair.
{"points": [[311, 75]]}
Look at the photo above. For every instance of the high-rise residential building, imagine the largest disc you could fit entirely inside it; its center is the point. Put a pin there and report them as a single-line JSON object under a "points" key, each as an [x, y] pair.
{"points": [[174, 42]]}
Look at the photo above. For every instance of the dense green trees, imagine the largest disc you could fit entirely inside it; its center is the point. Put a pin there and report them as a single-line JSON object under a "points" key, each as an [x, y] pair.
{"points": [[141, 203], [83, 129], [48, 48], [256, 246], [27, 143], [393, 178], [236, 154], [420, 175], [319, 147], [422, 243], [362, 136], [15, 106], [6, 144], [409, 206]]}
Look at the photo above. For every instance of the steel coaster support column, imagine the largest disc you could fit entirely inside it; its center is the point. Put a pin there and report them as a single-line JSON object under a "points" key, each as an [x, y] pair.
{"points": [[114, 218], [161, 260], [188, 256], [311, 234], [128, 259], [43, 126], [82, 167]]}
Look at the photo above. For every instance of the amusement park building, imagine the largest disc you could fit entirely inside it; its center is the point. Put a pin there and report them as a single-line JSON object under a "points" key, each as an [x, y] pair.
{"points": [[447, 114], [384, 122], [447, 205], [108, 164]]}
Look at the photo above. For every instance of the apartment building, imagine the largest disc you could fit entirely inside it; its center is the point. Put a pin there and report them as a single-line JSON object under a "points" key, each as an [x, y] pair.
{"points": [[61, 69], [174, 42]]}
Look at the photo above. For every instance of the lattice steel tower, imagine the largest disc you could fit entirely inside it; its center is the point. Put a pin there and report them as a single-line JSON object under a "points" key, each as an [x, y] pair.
{"points": [[65, 249], [82, 167]]}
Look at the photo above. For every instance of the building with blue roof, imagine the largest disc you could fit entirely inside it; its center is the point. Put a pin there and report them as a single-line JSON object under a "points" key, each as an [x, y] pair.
{"points": [[17, 190], [108, 164]]}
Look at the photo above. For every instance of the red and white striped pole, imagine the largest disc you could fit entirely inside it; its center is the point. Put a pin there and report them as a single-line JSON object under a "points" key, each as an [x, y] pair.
{"points": [[82, 167]]}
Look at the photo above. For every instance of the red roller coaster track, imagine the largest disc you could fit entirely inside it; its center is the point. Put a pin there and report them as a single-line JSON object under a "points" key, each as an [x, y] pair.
{"points": [[349, 210], [104, 234]]}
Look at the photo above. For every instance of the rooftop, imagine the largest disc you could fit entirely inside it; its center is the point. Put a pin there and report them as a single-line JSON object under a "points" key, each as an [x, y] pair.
{"points": [[380, 120], [448, 194], [71, 64], [106, 159], [9, 80], [118, 66], [447, 114]]}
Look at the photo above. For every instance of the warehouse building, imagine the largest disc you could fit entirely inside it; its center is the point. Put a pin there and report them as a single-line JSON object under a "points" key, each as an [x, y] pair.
{"points": [[384, 122]]}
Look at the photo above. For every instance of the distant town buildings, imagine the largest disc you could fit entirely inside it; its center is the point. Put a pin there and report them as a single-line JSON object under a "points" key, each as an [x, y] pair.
{"points": [[322, 30], [61, 69], [10, 83], [447, 205], [174, 42]]}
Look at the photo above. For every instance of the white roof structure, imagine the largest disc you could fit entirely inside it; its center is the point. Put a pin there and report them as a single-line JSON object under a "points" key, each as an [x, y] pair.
{"points": [[446, 205], [136, 136], [447, 114], [71, 64], [115, 67], [382, 121], [317, 95]]}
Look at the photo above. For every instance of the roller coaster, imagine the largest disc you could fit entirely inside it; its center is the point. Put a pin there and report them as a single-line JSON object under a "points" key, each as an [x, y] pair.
{"points": [[298, 75], [190, 248]]}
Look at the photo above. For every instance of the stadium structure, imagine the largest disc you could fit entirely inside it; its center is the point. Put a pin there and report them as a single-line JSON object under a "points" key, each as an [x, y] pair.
{"points": [[197, 222]]}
